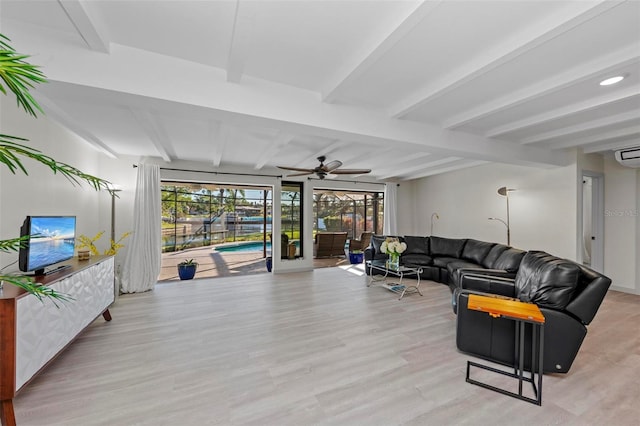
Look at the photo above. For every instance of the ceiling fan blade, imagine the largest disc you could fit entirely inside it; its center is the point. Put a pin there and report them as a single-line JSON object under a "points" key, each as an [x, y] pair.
{"points": [[296, 169], [351, 171], [331, 165], [301, 174]]}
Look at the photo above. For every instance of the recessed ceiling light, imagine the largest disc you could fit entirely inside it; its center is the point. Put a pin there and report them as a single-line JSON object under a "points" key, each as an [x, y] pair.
{"points": [[612, 80]]}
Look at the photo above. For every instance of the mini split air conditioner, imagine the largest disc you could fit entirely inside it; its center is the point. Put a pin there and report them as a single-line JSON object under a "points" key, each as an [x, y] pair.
{"points": [[629, 157]]}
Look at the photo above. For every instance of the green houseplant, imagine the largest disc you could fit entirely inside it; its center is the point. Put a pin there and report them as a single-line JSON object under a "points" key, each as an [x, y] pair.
{"points": [[19, 76], [187, 269]]}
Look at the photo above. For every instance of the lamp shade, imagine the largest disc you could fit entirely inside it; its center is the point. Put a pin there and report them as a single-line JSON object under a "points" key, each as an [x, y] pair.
{"points": [[504, 190]]}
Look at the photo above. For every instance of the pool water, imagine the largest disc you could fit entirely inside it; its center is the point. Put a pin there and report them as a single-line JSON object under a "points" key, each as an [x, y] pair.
{"points": [[245, 246]]}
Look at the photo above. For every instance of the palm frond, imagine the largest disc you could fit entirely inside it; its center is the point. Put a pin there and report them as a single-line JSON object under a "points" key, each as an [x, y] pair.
{"points": [[13, 244], [19, 76], [38, 290], [11, 151]]}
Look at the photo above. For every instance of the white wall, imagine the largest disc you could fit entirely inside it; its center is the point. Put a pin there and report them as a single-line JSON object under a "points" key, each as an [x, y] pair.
{"points": [[42, 192], [543, 207], [622, 226]]}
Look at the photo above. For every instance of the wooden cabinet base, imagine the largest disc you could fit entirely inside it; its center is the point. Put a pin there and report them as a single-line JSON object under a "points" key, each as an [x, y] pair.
{"points": [[7, 416], [23, 315]]}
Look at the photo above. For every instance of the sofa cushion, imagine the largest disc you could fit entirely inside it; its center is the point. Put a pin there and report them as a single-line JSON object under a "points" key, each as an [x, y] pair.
{"points": [[475, 251], [442, 262], [446, 247], [493, 255], [376, 242], [415, 259], [546, 280], [416, 245], [509, 260]]}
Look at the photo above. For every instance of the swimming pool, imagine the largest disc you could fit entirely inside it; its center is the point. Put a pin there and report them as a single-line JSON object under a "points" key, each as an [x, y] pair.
{"points": [[244, 246]]}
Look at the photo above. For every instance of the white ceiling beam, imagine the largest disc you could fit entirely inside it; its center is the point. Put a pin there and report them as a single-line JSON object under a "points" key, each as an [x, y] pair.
{"points": [[375, 155], [576, 108], [528, 39], [324, 151], [629, 132], [282, 139], [86, 27], [583, 72], [465, 164], [123, 75], [399, 171], [612, 146], [240, 38], [362, 61], [52, 110], [221, 133], [617, 119], [155, 132]]}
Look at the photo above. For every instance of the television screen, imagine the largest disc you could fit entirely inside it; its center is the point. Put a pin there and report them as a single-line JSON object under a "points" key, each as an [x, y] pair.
{"points": [[51, 240]]}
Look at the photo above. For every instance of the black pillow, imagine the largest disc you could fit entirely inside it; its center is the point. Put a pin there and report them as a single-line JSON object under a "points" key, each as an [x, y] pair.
{"points": [[446, 247], [376, 242], [416, 245], [546, 280], [493, 255], [475, 251], [509, 260]]}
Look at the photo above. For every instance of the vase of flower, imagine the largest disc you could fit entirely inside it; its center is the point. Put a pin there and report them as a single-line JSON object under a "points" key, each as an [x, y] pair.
{"points": [[393, 247]]}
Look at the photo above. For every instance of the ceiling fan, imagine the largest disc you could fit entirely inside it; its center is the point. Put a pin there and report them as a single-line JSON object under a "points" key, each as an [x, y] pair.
{"points": [[332, 167]]}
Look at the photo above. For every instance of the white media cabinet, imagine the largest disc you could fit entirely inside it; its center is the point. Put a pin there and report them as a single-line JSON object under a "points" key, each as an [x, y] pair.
{"points": [[33, 333]]}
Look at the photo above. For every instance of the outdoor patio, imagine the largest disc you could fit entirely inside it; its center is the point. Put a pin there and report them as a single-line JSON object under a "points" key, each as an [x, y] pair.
{"points": [[213, 263]]}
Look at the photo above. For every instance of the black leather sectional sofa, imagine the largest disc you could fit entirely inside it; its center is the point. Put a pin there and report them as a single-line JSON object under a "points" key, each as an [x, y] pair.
{"points": [[567, 293], [442, 259]]}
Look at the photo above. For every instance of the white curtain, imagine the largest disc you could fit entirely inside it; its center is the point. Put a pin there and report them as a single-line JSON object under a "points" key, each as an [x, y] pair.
{"points": [[390, 225], [142, 264]]}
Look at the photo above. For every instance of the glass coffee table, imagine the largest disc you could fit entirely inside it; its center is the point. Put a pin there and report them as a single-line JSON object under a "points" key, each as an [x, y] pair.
{"points": [[400, 272]]}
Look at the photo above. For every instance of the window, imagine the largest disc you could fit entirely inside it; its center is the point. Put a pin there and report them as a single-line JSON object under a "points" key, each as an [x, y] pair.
{"points": [[353, 212], [203, 214], [291, 208]]}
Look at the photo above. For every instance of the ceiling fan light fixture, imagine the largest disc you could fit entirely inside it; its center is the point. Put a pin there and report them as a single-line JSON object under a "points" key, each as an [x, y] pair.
{"points": [[612, 80]]}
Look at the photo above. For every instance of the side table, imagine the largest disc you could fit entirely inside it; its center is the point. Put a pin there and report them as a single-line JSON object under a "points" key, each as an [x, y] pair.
{"points": [[522, 313]]}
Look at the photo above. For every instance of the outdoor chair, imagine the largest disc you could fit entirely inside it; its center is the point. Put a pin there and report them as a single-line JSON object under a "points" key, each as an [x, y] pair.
{"points": [[361, 243], [329, 244]]}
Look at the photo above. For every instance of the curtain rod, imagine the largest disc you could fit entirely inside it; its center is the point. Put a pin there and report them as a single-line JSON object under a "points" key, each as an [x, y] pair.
{"points": [[215, 173]]}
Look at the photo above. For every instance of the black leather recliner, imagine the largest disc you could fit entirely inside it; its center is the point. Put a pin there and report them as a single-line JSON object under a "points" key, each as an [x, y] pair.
{"points": [[568, 294]]}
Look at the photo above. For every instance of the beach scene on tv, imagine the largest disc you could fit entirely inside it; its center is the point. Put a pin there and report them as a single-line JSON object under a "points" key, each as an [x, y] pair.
{"points": [[52, 240]]}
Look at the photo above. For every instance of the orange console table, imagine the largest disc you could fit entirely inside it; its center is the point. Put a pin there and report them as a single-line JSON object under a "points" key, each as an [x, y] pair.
{"points": [[33, 333], [522, 313]]}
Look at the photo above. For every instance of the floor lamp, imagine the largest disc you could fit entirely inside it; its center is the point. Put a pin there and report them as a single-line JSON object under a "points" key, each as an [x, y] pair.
{"points": [[113, 190], [433, 216], [504, 191]]}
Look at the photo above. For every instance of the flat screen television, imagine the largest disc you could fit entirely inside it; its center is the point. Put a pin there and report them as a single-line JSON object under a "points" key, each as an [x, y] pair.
{"points": [[51, 240]]}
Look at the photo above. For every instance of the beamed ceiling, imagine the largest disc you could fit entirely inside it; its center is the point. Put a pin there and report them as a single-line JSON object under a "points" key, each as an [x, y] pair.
{"points": [[406, 88]]}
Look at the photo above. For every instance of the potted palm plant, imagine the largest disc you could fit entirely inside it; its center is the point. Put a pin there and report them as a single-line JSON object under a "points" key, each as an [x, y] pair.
{"points": [[187, 269], [19, 77]]}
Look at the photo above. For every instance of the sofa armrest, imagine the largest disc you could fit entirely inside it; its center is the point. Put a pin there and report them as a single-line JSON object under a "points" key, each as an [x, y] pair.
{"points": [[487, 283], [489, 272]]}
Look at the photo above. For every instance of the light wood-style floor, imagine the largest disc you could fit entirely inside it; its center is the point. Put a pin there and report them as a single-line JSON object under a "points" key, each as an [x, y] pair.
{"points": [[313, 348]]}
